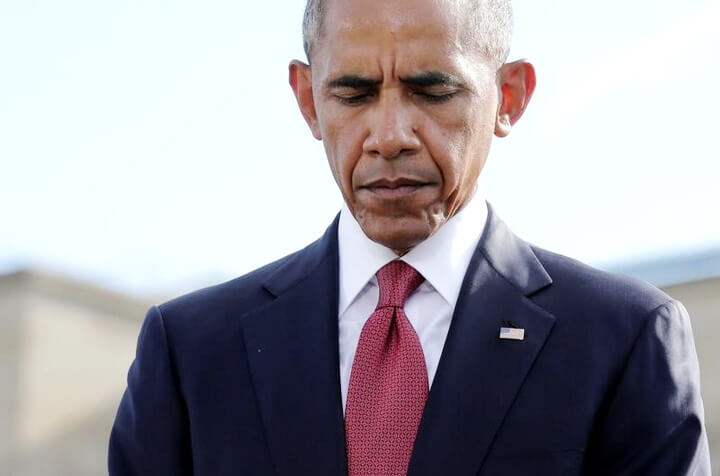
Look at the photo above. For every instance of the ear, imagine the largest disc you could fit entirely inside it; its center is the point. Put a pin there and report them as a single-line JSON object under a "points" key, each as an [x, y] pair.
{"points": [[516, 82], [301, 84]]}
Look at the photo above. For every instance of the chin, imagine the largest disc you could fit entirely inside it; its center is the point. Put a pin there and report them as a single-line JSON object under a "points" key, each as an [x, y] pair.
{"points": [[400, 234]]}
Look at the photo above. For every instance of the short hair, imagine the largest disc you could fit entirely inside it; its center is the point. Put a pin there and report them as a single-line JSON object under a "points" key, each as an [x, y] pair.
{"points": [[490, 23]]}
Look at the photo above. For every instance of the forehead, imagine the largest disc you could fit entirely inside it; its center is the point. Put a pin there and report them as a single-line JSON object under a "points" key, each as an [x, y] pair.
{"points": [[372, 34], [343, 14]]}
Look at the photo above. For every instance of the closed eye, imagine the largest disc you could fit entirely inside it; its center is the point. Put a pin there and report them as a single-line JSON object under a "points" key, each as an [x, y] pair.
{"points": [[435, 97], [355, 99], [365, 97]]}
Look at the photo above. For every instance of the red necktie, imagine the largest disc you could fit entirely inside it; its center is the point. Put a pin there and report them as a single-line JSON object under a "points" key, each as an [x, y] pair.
{"points": [[388, 382]]}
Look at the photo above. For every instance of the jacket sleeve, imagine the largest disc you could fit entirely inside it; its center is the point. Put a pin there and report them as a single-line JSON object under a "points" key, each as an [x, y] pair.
{"points": [[150, 434], [654, 421]]}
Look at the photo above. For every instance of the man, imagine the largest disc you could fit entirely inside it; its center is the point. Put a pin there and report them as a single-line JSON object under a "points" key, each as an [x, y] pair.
{"points": [[418, 335]]}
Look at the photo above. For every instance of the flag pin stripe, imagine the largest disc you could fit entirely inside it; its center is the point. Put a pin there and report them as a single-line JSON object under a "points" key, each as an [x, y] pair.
{"points": [[512, 333]]}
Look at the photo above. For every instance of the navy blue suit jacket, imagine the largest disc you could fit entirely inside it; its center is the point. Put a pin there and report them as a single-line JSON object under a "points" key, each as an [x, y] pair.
{"points": [[243, 378]]}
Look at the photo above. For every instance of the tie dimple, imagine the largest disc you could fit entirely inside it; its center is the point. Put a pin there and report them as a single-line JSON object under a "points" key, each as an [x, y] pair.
{"points": [[388, 382]]}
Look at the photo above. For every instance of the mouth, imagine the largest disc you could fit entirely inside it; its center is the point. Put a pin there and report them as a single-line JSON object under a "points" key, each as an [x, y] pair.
{"points": [[395, 189]]}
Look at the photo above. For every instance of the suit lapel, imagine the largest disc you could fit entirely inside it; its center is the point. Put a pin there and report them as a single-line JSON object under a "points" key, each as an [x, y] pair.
{"points": [[479, 374], [292, 347]]}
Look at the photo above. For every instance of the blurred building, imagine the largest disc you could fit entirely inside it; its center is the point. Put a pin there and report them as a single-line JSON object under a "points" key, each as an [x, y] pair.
{"points": [[65, 348]]}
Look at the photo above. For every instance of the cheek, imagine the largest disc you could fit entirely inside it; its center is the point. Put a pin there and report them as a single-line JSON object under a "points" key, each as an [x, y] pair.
{"points": [[458, 143], [447, 148], [481, 135], [343, 147]]}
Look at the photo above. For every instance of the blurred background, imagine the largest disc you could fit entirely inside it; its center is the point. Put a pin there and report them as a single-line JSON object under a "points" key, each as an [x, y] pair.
{"points": [[150, 148]]}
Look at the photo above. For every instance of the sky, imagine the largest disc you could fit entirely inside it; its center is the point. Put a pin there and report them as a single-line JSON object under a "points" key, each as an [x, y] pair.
{"points": [[153, 147]]}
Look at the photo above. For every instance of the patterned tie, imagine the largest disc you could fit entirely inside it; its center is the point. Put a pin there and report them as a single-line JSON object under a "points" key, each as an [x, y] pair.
{"points": [[388, 382]]}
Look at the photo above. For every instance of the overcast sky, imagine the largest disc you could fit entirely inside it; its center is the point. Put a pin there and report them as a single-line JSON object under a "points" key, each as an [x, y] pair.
{"points": [[154, 146]]}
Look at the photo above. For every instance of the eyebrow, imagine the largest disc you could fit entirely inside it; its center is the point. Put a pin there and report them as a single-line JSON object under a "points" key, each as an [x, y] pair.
{"points": [[353, 81], [424, 79], [428, 79]]}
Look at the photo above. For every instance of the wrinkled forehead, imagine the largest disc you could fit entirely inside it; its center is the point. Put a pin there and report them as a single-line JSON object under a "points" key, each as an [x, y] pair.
{"points": [[417, 34]]}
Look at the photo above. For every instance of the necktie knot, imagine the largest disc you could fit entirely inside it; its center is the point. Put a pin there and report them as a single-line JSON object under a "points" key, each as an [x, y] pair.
{"points": [[397, 280]]}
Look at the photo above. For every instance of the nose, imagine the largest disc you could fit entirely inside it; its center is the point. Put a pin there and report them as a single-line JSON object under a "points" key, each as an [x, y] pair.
{"points": [[392, 129]]}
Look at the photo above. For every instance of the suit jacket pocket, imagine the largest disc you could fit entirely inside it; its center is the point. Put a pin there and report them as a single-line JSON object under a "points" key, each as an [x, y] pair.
{"points": [[553, 463]]}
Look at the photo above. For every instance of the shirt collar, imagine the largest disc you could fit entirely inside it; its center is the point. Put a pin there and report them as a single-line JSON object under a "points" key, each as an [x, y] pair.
{"points": [[442, 259]]}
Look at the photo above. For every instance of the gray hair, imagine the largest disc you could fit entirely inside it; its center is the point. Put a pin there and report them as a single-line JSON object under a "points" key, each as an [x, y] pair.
{"points": [[490, 23]]}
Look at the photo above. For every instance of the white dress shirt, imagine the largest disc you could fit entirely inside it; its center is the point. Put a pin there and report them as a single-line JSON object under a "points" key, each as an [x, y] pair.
{"points": [[442, 259]]}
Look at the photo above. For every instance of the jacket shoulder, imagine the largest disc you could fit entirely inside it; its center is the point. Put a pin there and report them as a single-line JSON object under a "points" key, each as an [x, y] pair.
{"points": [[238, 292], [234, 298], [605, 292]]}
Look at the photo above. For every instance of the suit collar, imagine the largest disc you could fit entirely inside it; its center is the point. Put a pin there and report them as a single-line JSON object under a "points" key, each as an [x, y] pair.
{"points": [[300, 265], [512, 258]]}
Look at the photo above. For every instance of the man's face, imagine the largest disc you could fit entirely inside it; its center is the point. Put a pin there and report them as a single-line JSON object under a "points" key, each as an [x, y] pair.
{"points": [[406, 108]]}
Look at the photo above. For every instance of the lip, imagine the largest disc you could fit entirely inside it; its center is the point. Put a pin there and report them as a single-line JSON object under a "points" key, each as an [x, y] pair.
{"points": [[394, 189]]}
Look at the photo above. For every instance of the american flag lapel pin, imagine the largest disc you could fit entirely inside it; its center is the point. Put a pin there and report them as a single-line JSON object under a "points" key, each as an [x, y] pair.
{"points": [[511, 332]]}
